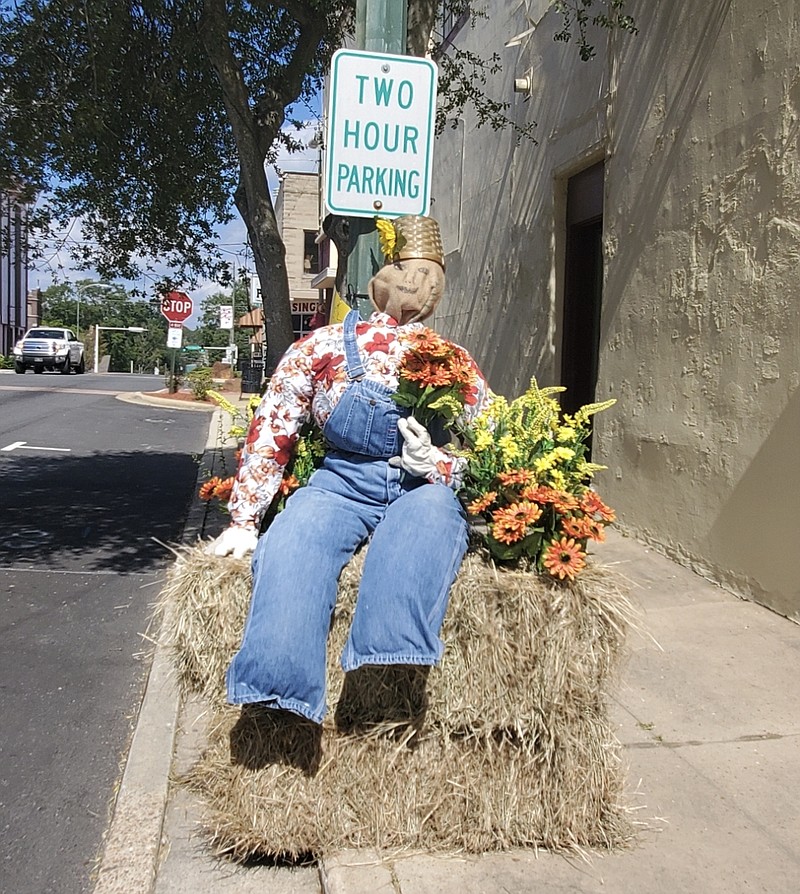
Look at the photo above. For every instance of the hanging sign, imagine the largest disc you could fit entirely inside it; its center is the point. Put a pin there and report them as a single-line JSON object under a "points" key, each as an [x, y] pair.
{"points": [[381, 122]]}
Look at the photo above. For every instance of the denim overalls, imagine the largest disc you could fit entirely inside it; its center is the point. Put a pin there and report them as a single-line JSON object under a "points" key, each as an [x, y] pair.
{"points": [[418, 538]]}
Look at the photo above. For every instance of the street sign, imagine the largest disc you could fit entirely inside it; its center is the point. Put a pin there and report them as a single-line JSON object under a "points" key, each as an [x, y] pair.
{"points": [[176, 306], [175, 335], [226, 316], [381, 117]]}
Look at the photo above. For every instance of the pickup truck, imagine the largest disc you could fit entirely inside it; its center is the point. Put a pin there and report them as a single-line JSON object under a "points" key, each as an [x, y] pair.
{"points": [[49, 347]]}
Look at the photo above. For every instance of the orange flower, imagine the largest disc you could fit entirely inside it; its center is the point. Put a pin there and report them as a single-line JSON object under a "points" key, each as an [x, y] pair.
{"points": [[482, 503], [594, 530], [426, 341], [564, 502], [574, 527], [592, 505], [287, 485], [223, 489], [540, 494], [564, 558], [206, 491], [515, 476], [511, 523]]}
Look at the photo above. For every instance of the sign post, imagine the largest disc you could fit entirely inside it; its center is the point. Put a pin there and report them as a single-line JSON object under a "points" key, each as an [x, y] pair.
{"points": [[176, 307]]}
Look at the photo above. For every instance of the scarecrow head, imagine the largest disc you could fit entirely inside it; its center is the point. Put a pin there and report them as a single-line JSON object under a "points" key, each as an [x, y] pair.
{"points": [[411, 283]]}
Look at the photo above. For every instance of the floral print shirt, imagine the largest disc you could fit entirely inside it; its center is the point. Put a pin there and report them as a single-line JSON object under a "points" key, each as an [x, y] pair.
{"points": [[308, 383]]}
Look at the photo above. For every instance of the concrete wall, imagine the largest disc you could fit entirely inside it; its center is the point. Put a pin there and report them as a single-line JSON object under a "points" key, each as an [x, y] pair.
{"points": [[698, 121]]}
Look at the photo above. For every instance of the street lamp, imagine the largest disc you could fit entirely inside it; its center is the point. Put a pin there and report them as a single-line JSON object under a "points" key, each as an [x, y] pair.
{"points": [[116, 329]]}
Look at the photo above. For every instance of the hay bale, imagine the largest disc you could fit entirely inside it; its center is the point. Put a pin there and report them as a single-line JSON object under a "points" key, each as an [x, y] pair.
{"points": [[275, 784], [506, 744], [517, 645]]}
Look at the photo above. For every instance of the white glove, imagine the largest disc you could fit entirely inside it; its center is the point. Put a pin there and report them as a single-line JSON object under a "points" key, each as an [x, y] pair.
{"points": [[234, 541], [419, 455]]}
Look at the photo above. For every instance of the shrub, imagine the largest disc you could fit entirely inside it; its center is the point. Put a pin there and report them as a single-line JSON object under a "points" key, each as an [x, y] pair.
{"points": [[200, 381]]}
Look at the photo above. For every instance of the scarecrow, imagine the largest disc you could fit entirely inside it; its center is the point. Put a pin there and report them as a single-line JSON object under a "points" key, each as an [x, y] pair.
{"points": [[385, 478]]}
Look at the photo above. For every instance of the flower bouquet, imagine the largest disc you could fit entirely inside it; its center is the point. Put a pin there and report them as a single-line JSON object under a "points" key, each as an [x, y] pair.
{"points": [[436, 378], [528, 479]]}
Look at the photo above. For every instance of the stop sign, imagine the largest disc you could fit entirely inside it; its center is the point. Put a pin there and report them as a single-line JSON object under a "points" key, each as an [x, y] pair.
{"points": [[176, 306]]}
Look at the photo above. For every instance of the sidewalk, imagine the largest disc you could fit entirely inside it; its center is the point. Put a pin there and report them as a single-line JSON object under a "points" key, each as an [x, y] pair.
{"points": [[708, 716]]}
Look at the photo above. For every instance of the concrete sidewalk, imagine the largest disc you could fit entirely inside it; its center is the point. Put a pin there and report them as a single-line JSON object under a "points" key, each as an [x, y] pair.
{"points": [[708, 716]]}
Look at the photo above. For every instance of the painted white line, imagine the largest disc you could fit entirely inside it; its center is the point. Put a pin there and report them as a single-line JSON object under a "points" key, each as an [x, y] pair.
{"points": [[23, 445]]}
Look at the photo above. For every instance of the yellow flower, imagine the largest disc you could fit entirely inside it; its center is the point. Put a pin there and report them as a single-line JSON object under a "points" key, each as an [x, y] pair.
{"points": [[544, 463], [509, 448], [587, 410], [565, 453], [558, 479], [387, 236], [483, 440], [565, 433], [448, 402]]}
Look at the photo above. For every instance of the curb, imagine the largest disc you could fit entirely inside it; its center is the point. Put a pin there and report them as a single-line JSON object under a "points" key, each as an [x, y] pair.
{"points": [[137, 397], [129, 861]]}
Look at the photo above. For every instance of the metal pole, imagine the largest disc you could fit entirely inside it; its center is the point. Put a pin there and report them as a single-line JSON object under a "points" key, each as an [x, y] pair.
{"points": [[172, 387], [96, 347], [380, 27]]}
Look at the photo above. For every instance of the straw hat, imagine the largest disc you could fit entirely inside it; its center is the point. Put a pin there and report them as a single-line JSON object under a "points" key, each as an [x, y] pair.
{"points": [[414, 237]]}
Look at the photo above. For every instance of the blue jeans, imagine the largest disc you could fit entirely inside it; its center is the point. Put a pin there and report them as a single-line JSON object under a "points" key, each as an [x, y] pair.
{"points": [[418, 539]]}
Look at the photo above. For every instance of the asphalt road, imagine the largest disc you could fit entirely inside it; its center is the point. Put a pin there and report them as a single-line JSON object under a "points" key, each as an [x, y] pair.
{"points": [[86, 483]]}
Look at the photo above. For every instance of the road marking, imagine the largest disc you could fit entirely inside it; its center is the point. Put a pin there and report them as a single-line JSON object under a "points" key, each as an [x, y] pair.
{"points": [[23, 445], [59, 390]]}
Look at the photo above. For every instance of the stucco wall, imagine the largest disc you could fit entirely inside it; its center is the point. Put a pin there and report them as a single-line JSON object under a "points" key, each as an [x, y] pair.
{"points": [[297, 210], [698, 118]]}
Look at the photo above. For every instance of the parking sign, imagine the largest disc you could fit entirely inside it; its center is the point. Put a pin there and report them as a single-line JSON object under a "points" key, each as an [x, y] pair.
{"points": [[381, 121]]}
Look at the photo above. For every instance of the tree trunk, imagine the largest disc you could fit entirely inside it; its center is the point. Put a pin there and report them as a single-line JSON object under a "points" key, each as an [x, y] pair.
{"points": [[253, 138]]}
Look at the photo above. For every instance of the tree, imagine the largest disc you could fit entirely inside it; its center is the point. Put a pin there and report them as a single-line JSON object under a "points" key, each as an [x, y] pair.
{"points": [[208, 332], [150, 121], [109, 306]]}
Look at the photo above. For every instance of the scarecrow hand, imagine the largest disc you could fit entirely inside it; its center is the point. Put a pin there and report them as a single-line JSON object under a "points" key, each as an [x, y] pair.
{"points": [[419, 455], [234, 541]]}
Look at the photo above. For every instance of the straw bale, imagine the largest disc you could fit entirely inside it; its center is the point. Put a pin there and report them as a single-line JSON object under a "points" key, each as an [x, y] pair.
{"points": [[517, 645], [506, 744], [275, 784]]}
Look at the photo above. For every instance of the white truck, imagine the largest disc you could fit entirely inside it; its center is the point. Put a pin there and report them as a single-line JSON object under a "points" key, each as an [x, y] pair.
{"points": [[49, 347]]}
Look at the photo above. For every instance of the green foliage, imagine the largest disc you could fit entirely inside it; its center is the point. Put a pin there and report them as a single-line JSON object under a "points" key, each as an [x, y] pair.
{"points": [[200, 381], [119, 113], [577, 17], [208, 332], [83, 305], [6, 362]]}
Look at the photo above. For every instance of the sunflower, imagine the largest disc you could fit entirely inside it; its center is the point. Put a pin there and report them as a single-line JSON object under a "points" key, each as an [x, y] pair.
{"points": [[564, 558]]}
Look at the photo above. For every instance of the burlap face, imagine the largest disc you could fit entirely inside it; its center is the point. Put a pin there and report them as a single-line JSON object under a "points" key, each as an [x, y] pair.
{"points": [[408, 290]]}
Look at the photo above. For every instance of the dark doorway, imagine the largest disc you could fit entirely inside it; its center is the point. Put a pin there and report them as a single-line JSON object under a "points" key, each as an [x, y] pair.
{"points": [[583, 288]]}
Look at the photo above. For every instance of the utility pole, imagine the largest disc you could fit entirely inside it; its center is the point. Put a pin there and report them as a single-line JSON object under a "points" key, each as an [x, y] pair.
{"points": [[381, 27]]}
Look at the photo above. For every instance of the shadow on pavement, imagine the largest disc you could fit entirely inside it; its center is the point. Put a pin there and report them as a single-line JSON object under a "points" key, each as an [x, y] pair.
{"points": [[103, 510]]}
